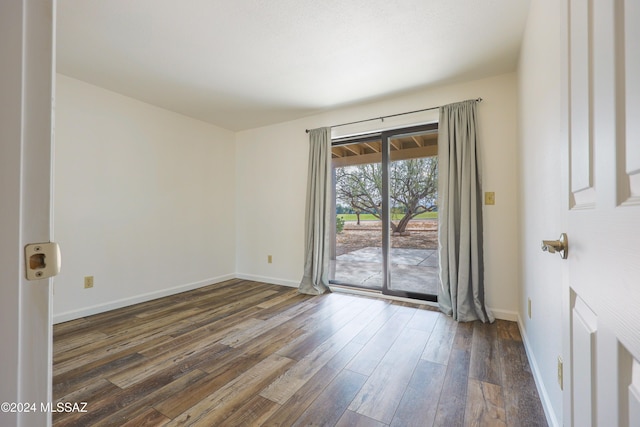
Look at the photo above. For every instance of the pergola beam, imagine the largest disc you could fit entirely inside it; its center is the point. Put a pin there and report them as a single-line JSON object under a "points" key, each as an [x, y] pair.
{"points": [[407, 153]]}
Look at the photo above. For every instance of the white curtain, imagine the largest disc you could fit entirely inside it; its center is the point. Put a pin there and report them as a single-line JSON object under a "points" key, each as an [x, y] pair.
{"points": [[461, 293], [318, 214]]}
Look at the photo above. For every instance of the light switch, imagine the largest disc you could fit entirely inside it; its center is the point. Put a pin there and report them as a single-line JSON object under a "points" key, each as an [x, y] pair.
{"points": [[489, 198]]}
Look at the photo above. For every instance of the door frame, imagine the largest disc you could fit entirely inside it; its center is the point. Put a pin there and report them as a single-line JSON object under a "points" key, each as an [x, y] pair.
{"points": [[384, 137], [27, 31]]}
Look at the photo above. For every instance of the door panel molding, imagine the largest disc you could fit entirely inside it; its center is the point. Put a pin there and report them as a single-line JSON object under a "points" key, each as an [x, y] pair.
{"points": [[581, 105], [627, 48], [584, 332], [634, 395]]}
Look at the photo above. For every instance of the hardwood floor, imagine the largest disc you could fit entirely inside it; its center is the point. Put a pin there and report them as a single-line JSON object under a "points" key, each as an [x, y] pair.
{"points": [[245, 353]]}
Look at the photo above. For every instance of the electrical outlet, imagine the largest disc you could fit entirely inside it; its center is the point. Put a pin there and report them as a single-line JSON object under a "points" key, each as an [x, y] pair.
{"points": [[269, 259], [88, 282], [529, 307], [560, 373]]}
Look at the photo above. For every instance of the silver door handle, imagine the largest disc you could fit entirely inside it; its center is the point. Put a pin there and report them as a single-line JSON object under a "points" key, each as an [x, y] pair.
{"points": [[560, 246]]}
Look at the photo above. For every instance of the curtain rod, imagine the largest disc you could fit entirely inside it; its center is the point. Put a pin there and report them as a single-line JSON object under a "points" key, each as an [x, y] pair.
{"points": [[391, 115]]}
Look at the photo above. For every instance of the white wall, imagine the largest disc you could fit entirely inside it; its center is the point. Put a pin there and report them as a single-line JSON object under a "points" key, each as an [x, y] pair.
{"points": [[144, 200], [542, 124], [272, 174]]}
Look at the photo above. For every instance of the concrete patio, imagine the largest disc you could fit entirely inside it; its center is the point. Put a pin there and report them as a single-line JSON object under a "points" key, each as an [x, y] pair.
{"points": [[412, 270]]}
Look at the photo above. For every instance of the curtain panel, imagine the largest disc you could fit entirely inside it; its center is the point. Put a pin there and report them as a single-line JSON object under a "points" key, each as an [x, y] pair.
{"points": [[315, 280], [461, 292]]}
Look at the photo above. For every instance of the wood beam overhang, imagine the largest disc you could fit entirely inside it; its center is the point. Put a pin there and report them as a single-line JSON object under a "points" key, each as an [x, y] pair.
{"points": [[354, 148], [401, 147], [374, 146], [408, 153]]}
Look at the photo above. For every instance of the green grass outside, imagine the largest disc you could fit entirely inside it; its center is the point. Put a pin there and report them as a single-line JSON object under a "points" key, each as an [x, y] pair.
{"points": [[369, 217]]}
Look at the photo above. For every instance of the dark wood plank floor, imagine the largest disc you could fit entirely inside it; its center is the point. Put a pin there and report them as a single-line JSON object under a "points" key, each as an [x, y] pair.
{"points": [[245, 353]]}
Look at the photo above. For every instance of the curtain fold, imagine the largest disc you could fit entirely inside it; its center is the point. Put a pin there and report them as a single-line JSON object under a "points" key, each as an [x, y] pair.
{"points": [[315, 280], [461, 292]]}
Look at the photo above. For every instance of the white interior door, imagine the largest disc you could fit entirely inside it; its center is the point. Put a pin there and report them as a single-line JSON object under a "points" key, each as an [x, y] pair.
{"points": [[603, 221], [26, 75]]}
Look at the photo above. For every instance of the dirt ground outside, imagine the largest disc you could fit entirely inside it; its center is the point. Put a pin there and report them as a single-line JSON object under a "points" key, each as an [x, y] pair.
{"points": [[422, 234]]}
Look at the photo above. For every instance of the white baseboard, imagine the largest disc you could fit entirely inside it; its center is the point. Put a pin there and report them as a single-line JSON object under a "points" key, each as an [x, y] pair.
{"points": [[511, 316], [112, 305], [552, 419], [270, 280], [499, 314]]}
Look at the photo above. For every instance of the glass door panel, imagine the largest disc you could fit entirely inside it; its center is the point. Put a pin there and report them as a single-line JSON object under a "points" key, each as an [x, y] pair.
{"points": [[357, 255], [413, 216]]}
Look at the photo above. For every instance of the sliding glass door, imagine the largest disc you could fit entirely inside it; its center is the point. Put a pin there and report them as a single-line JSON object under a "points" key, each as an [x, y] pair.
{"points": [[357, 254], [386, 215]]}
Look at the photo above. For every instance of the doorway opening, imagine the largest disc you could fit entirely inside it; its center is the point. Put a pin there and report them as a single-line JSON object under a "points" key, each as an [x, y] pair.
{"points": [[386, 216]]}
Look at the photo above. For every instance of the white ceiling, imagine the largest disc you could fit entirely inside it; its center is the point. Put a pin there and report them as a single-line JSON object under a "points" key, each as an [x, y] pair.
{"points": [[242, 64]]}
